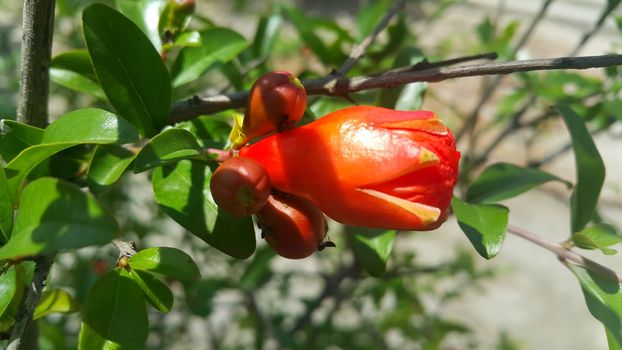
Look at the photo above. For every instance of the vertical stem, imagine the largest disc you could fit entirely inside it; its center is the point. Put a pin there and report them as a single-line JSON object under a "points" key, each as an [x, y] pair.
{"points": [[37, 29]]}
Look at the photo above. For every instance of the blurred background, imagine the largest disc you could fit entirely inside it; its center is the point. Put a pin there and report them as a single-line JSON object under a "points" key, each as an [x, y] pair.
{"points": [[436, 292]]}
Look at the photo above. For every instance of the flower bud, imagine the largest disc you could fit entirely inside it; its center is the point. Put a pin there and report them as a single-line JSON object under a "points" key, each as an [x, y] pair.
{"points": [[240, 186], [292, 225], [276, 102]]}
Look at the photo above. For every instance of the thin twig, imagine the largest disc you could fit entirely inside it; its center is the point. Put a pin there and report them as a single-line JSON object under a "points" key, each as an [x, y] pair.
{"points": [[359, 50], [341, 86], [565, 254]]}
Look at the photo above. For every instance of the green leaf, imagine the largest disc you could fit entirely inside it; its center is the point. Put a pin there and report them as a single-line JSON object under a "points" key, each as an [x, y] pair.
{"points": [[15, 137], [604, 300], [219, 45], [55, 301], [74, 70], [109, 162], [90, 125], [56, 215], [83, 126], [6, 208], [167, 261], [210, 131], [8, 287], [266, 34], [258, 272], [483, 224], [368, 18], [167, 147], [145, 14], [186, 39], [157, 293], [372, 248], [304, 27], [114, 315], [182, 191], [589, 167], [503, 180], [128, 67], [599, 236]]}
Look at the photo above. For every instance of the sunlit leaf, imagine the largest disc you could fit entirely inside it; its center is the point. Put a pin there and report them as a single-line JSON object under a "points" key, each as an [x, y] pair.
{"points": [[599, 236], [372, 248], [109, 162], [157, 293], [55, 301], [167, 261], [169, 146], [484, 225]]}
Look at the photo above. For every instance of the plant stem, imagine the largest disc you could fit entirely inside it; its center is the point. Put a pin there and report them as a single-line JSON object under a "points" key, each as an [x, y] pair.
{"points": [[565, 254], [341, 86], [37, 29]]}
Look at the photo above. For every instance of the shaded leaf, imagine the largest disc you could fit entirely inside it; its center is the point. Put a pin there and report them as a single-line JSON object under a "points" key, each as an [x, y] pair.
{"points": [[503, 180], [145, 14], [483, 224], [266, 34], [128, 67], [15, 137], [8, 287], [589, 167], [209, 131], [598, 236], [74, 70], [604, 300], [56, 215], [55, 301], [258, 271], [109, 162], [6, 208], [372, 248], [218, 45], [167, 261], [157, 293], [182, 191], [169, 146], [114, 315]]}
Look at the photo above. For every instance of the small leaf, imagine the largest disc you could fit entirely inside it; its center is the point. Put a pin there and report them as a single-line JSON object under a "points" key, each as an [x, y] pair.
{"points": [[210, 131], [170, 262], [8, 287], [128, 67], [590, 170], [372, 248], [305, 30], [603, 297], [74, 70], [182, 191], [599, 236], [56, 215], [157, 293], [219, 45], [266, 34], [186, 39], [167, 147], [114, 315], [109, 162], [90, 125], [55, 301], [503, 180], [484, 225], [6, 208], [145, 14], [15, 137]]}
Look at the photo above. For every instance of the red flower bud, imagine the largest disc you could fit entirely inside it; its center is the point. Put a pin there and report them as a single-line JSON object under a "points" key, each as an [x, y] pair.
{"points": [[367, 166], [240, 186], [276, 102], [292, 226]]}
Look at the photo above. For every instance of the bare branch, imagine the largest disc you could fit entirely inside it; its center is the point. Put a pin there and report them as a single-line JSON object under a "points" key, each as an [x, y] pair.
{"points": [[565, 254], [340, 86]]}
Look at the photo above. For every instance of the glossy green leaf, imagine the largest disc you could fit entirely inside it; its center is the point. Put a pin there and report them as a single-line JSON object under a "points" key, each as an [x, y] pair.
{"points": [[484, 225], [109, 162], [128, 67], [169, 146], [145, 14], [84, 126], [8, 287], [603, 297], [182, 191], [209, 131], [15, 137], [599, 236], [590, 170], [306, 31], [157, 293], [55, 301], [6, 208], [167, 261], [74, 70], [266, 34], [114, 315], [503, 180], [186, 39], [56, 215], [372, 248], [218, 45]]}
